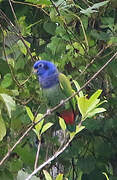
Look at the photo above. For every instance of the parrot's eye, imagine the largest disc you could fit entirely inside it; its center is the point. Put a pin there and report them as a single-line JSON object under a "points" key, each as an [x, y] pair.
{"points": [[40, 65]]}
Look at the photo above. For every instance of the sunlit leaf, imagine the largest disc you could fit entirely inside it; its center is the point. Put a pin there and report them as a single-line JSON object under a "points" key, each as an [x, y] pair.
{"points": [[62, 123], [83, 105], [40, 2], [92, 105], [78, 129], [88, 107], [38, 127], [47, 175], [59, 177], [2, 128], [46, 127], [30, 114], [96, 111], [95, 96]]}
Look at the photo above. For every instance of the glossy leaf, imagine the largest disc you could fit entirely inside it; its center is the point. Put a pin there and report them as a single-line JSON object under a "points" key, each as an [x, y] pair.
{"points": [[9, 103], [88, 107], [94, 8], [46, 127], [38, 127], [30, 114], [96, 111], [78, 129], [83, 105], [2, 128], [47, 175], [59, 177], [62, 123]]}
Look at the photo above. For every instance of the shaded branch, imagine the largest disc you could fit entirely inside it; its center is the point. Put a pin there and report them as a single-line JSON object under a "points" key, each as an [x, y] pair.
{"points": [[29, 4], [37, 155], [49, 160], [92, 61]]}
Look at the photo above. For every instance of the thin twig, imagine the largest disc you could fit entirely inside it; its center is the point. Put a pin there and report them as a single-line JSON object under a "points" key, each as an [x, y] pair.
{"points": [[49, 160], [29, 4], [56, 8], [19, 140], [56, 107], [37, 155], [13, 13], [17, 33], [92, 61], [12, 73]]}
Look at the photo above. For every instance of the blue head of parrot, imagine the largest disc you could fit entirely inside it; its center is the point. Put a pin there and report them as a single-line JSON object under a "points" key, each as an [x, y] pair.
{"points": [[47, 73]]}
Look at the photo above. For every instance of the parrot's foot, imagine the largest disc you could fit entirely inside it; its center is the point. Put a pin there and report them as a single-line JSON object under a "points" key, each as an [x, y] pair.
{"points": [[48, 111]]}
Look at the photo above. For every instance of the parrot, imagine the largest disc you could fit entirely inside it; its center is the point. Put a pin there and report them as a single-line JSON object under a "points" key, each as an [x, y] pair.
{"points": [[56, 87]]}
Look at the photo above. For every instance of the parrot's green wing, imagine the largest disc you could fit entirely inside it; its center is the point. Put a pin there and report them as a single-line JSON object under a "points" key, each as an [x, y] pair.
{"points": [[67, 89]]}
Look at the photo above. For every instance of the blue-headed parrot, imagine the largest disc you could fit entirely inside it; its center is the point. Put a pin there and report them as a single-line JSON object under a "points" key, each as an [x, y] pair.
{"points": [[56, 87]]}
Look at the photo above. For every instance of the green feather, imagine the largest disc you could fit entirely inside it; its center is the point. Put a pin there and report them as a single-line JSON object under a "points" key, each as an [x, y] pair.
{"points": [[67, 89]]}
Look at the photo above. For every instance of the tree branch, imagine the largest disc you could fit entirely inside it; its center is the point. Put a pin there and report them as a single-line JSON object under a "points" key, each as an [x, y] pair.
{"points": [[37, 155], [49, 160], [17, 32], [92, 61]]}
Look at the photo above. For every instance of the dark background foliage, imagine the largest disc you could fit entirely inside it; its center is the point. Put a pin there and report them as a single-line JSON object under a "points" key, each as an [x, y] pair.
{"points": [[79, 39]]}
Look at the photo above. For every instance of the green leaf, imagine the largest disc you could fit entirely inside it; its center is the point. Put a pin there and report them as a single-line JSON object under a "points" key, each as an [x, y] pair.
{"points": [[92, 9], [59, 177], [92, 105], [41, 2], [78, 46], [8, 91], [38, 127], [46, 127], [57, 45], [83, 105], [88, 107], [2, 128], [22, 175], [7, 81], [9, 103], [95, 96], [47, 175], [50, 27], [78, 129], [96, 111], [62, 123], [93, 101], [30, 114], [22, 47]]}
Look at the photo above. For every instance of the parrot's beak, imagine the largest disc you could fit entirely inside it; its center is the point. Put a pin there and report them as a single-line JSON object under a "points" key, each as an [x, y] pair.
{"points": [[35, 71]]}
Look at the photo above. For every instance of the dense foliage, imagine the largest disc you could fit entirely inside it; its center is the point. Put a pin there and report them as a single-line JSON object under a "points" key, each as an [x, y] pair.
{"points": [[79, 36]]}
